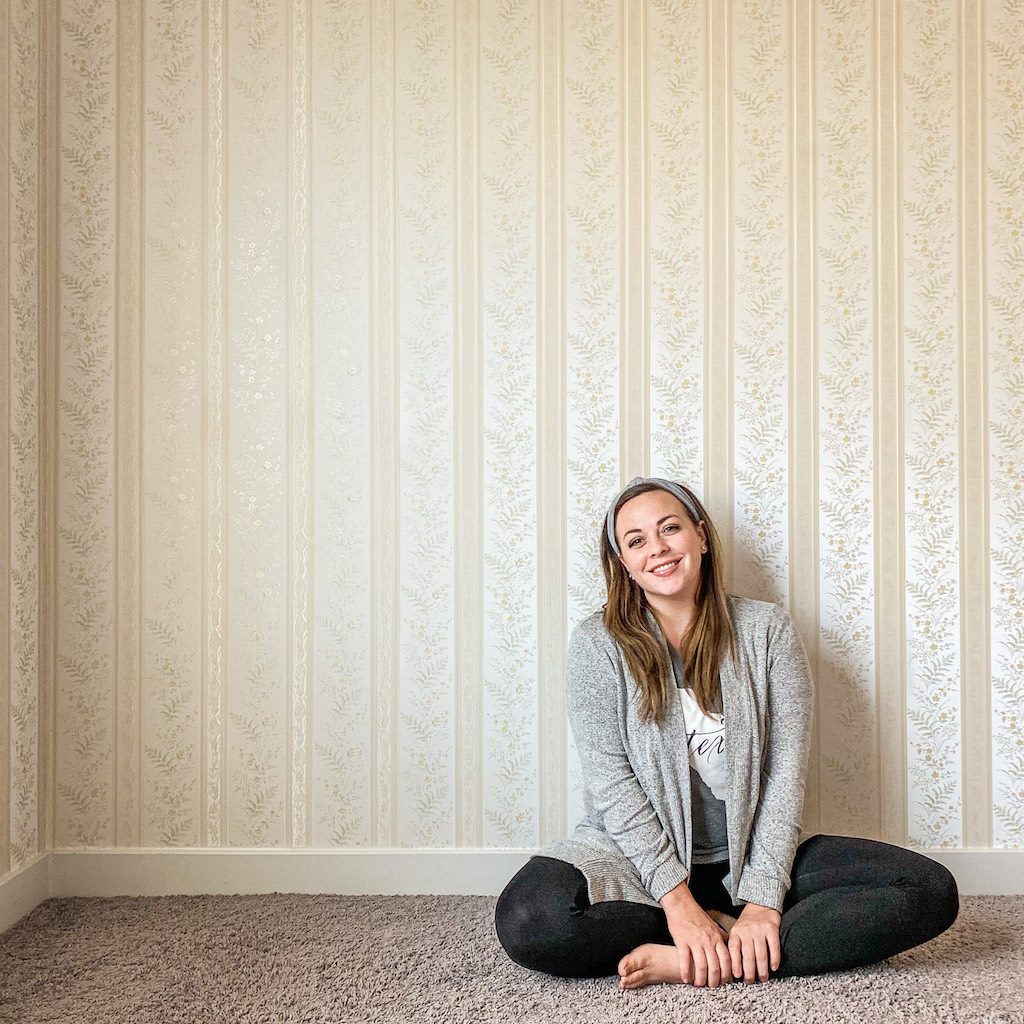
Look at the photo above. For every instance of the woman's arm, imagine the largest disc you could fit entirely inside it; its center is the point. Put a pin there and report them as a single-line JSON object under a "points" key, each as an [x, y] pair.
{"points": [[764, 877], [592, 683]]}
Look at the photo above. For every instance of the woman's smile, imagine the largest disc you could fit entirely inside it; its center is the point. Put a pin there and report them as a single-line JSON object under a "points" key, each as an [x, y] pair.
{"points": [[666, 568]]}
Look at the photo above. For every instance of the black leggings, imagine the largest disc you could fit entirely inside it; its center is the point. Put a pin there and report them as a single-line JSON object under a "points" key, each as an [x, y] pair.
{"points": [[852, 902]]}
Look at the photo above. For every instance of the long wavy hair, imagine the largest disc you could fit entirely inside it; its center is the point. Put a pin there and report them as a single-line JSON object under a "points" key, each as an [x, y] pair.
{"points": [[708, 638]]}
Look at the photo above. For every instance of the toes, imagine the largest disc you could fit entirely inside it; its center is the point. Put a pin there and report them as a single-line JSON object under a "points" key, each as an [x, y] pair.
{"points": [[628, 964]]}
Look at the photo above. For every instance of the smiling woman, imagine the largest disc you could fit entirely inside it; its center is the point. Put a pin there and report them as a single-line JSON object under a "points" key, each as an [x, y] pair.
{"points": [[677, 834]]}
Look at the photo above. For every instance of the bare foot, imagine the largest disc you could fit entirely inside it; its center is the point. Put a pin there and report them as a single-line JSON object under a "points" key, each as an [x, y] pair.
{"points": [[650, 964]]}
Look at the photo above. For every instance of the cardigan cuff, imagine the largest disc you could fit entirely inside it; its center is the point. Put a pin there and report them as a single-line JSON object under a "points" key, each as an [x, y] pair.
{"points": [[666, 877], [761, 889]]}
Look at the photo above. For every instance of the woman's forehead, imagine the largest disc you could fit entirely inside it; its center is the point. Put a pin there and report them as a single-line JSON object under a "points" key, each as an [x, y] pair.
{"points": [[650, 505]]}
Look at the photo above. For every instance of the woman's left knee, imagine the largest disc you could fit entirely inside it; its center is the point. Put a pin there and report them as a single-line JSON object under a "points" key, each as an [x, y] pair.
{"points": [[940, 895]]}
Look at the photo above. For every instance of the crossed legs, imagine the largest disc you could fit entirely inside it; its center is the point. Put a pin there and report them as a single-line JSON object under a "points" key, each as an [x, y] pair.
{"points": [[852, 902]]}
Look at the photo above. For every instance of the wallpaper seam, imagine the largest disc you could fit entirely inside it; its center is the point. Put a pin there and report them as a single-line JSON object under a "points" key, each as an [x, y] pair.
{"points": [[6, 361], [55, 86], [633, 346], [300, 445], [719, 426], [803, 344], [975, 654], [468, 670], [310, 426], [117, 737], [138, 488], [890, 554], [387, 448], [302, 435], [289, 341], [373, 342], [552, 764]]}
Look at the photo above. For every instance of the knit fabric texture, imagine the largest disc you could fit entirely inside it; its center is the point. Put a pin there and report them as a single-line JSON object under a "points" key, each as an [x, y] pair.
{"points": [[634, 841]]}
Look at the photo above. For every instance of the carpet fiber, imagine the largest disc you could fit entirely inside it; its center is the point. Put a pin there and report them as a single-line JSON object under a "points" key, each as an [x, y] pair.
{"points": [[436, 958]]}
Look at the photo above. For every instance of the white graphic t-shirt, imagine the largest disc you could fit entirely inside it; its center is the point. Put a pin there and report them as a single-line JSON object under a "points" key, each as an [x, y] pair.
{"points": [[705, 736]]}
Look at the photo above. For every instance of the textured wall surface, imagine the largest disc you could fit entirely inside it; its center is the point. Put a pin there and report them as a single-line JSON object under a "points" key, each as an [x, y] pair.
{"points": [[364, 312], [23, 728]]}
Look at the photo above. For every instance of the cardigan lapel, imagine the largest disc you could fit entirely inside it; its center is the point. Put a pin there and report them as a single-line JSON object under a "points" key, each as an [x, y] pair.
{"points": [[742, 747]]}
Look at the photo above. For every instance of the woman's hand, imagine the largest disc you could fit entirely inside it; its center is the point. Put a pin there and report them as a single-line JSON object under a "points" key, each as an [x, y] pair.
{"points": [[703, 955], [754, 943]]}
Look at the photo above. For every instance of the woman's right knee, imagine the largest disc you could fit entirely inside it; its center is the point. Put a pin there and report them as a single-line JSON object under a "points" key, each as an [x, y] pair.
{"points": [[533, 916]]}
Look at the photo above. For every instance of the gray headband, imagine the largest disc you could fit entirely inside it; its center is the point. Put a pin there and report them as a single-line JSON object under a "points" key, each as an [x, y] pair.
{"points": [[665, 485]]}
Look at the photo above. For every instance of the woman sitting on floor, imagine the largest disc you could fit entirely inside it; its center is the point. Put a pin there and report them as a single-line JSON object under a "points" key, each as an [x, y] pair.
{"points": [[691, 712]]}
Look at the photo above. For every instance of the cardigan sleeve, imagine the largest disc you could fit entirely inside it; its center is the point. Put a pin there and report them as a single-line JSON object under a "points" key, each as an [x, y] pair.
{"points": [[592, 687], [775, 833]]}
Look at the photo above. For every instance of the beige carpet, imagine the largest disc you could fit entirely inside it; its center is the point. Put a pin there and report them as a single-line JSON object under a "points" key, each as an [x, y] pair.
{"points": [[436, 958]]}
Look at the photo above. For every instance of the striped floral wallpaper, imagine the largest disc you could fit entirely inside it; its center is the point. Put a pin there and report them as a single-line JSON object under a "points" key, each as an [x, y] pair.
{"points": [[332, 326]]}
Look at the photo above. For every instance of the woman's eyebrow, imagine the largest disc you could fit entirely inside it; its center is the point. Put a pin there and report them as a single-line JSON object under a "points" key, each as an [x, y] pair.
{"points": [[636, 529]]}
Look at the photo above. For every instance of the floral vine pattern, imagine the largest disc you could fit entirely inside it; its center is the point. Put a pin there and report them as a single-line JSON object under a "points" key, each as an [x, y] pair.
{"points": [[847, 717], [1005, 43], [930, 408]]}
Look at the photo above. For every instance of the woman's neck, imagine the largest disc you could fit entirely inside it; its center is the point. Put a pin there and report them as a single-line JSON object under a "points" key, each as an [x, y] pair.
{"points": [[674, 617]]}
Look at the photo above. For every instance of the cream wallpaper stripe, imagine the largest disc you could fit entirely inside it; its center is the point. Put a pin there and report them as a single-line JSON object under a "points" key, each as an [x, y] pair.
{"points": [[759, 281], [423, 559], [802, 370], [257, 720], [468, 466], [634, 307], [890, 619], [7, 608], [593, 40], [213, 770], [929, 396], [509, 194], [28, 483], [84, 784], [299, 394], [21, 730], [129, 434], [552, 554], [49, 374], [718, 354], [973, 452], [676, 221], [384, 534], [845, 291], [1004, 43]]}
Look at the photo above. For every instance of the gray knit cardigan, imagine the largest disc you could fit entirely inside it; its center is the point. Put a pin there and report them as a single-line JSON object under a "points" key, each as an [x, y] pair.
{"points": [[634, 842]]}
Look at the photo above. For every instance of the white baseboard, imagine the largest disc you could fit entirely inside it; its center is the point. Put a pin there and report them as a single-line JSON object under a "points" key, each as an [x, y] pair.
{"points": [[24, 890], [983, 872], [392, 872]]}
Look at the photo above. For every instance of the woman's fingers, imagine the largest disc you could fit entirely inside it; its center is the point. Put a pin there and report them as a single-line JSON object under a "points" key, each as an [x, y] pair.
{"points": [[700, 967], [714, 966], [724, 960], [685, 964], [736, 954], [749, 962], [775, 949], [761, 954]]}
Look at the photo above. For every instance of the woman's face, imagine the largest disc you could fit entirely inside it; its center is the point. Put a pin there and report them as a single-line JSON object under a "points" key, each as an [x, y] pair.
{"points": [[655, 533]]}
